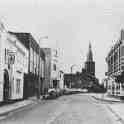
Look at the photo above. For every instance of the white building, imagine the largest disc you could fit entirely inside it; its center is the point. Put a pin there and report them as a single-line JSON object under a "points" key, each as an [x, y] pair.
{"points": [[51, 67], [13, 65]]}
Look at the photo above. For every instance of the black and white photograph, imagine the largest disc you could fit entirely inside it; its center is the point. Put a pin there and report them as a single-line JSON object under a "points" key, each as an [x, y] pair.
{"points": [[61, 61]]}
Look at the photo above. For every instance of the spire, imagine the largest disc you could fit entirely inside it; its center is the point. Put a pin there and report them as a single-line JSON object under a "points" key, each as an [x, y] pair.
{"points": [[90, 54], [89, 45]]}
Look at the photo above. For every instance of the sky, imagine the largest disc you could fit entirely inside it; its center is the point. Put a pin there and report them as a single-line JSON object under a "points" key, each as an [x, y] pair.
{"points": [[69, 25]]}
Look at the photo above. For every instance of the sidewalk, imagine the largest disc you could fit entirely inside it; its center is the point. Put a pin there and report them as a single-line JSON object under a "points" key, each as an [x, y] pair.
{"points": [[117, 109], [106, 98], [6, 109]]}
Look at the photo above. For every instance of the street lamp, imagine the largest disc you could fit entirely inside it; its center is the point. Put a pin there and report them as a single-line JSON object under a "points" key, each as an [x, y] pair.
{"points": [[39, 82]]}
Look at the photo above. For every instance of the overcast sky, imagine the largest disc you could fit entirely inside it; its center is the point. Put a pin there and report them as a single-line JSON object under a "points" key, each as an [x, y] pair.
{"points": [[70, 24]]}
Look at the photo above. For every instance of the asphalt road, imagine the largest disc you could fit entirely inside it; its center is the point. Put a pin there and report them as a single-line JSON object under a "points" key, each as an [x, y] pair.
{"points": [[71, 109]]}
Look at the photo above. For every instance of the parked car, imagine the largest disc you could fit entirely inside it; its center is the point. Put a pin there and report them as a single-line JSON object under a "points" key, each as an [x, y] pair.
{"points": [[51, 94]]}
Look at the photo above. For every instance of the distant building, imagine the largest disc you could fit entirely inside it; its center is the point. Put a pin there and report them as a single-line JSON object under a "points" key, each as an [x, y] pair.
{"points": [[52, 67], [84, 79], [105, 83]]}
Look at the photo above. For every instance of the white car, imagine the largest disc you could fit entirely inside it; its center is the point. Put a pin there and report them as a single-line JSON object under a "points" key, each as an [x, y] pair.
{"points": [[85, 90], [51, 90]]}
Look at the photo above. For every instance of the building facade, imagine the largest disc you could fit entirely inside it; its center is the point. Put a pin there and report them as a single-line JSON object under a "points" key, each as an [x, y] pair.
{"points": [[84, 79], [52, 67], [115, 63], [35, 69], [13, 65]]}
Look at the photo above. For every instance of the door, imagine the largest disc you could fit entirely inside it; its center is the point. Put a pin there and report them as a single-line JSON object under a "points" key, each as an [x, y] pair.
{"points": [[6, 86]]}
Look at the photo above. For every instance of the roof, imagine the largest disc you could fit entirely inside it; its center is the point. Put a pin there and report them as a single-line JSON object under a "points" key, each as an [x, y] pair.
{"points": [[26, 39], [22, 37]]}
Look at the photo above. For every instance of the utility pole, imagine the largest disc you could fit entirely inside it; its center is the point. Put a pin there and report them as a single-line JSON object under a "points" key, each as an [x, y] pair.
{"points": [[39, 80]]}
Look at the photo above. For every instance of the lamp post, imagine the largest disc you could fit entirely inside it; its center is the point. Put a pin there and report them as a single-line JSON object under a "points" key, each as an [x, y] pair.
{"points": [[72, 67], [71, 73], [39, 81]]}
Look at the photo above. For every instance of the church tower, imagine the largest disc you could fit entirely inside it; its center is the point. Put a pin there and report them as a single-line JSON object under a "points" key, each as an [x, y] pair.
{"points": [[90, 64]]}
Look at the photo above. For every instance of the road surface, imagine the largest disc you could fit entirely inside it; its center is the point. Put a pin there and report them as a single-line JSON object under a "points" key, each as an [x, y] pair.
{"points": [[71, 109]]}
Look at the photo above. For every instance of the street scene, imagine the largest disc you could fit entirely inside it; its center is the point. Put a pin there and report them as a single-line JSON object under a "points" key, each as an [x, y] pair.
{"points": [[61, 62]]}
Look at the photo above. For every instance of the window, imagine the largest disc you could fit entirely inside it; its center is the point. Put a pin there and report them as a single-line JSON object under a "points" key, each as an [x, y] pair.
{"points": [[34, 62], [122, 86], [18, 86], [43, 68], [40, 65], [54, 67], [33, 69], [18, 59], [122, 51], [37, 62], [25, 61], [31, 60], [122, 67], [6, 60]]}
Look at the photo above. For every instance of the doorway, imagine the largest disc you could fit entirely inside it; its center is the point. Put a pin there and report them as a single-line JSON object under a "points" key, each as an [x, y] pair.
{"points": [[6, 86]]}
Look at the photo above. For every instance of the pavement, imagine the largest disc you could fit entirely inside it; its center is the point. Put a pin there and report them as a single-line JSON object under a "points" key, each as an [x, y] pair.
{"points": [[118, 111], [8, 108], [117, 108], [105, 97]]}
